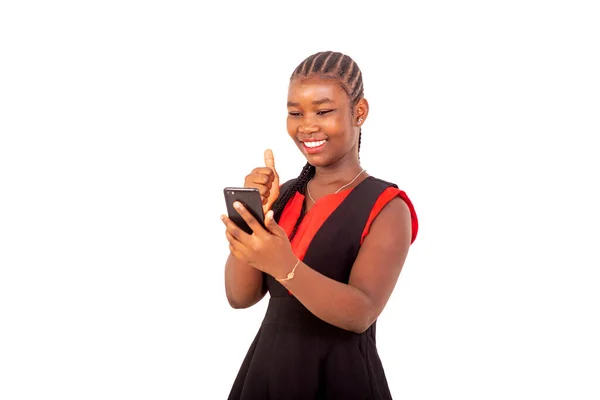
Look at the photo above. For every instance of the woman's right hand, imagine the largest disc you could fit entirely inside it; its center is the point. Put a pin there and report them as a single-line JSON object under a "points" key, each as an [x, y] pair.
{"points": [[266, 180]]}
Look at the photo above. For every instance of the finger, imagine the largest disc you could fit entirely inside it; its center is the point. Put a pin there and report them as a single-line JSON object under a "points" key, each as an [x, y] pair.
{"points": [[235, 252], [274, 184], [270, 162], [234, 245], [233, 230], [262, 175], [271, 199], [248, 217], [263, 190], [260, 178], [230, 239], [270, 159], [272, 225]]}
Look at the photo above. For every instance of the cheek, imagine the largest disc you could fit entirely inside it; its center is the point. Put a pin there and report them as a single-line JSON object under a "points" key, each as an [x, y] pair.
{"points": [[292, 126], [332, 125], [339, 125]]}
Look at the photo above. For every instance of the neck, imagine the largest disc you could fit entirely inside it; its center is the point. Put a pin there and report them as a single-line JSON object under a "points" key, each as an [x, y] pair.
{"points": [[340, 172]]}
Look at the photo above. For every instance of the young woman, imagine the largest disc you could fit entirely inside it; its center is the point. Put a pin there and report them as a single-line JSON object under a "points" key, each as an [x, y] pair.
{"points": [[335, 243]]}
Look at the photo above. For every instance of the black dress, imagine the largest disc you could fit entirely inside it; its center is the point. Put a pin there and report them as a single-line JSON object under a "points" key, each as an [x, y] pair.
{"points": [[296, 355]]}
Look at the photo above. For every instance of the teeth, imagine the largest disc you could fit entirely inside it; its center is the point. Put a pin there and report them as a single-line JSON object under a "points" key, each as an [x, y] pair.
{"points": [[315, 144]]}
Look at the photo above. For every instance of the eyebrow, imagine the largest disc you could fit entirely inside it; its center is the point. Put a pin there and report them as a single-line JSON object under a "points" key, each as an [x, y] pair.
{"points": [[315, 102]]}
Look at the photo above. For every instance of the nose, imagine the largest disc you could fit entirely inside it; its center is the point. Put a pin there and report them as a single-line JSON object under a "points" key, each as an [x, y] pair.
{"points": [[307, 127]]}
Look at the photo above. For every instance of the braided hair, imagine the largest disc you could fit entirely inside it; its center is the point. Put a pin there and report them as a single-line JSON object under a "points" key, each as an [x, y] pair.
{"points": [[329, 65]]}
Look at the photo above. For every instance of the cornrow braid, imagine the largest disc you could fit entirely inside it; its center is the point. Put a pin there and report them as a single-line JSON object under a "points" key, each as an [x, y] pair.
{"points": [[359, 140], [334, 65], [328, 65]]}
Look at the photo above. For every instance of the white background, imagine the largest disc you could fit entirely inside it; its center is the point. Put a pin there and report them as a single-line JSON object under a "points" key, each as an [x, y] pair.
{"points": [[122, 121]]}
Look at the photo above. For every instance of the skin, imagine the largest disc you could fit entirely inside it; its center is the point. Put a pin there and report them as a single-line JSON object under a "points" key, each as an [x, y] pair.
{"points": [[319, 109]]}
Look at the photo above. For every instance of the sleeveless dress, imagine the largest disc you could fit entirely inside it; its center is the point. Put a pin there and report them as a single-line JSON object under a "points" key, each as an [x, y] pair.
{"points": [[296, 355]]}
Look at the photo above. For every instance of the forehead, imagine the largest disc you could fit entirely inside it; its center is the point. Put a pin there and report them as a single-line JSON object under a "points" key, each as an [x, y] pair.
{"points": [[315, 88]]}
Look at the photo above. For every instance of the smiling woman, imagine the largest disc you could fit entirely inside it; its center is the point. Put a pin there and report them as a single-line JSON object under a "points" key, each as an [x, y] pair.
{"points": [[335, 242]]}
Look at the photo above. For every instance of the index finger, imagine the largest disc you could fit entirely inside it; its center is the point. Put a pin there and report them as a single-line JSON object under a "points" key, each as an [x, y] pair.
{"points": [[248, 217]]}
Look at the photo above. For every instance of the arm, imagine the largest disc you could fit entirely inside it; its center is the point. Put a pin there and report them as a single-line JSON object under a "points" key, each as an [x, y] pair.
{"points": [[358, 304], [243, 283]]}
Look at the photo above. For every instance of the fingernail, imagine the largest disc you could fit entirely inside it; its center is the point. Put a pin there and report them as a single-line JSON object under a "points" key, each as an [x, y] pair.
{"points": [[270, 214], [236, 204]]}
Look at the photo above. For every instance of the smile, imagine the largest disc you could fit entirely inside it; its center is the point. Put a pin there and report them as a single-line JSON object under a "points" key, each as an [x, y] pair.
{"points": [[313, 145]]}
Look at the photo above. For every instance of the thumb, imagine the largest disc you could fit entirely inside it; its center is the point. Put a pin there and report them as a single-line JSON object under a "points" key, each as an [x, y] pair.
{"points": [[272, 225], [270, 160], [274, 192]]}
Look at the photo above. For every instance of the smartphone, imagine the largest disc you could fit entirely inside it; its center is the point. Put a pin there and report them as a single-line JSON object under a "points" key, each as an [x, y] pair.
{"points": [[250, 198]]}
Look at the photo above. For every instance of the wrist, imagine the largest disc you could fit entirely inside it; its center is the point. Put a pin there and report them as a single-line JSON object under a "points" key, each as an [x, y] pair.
{"points": [[285, 271]]}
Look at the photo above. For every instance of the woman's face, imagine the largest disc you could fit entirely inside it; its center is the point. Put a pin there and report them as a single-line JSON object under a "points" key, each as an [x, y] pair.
{"points": [[320, 120]]}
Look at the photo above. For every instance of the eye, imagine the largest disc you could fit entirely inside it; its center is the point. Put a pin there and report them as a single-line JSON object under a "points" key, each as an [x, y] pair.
{"points": [[323, 112], [294, 113]]}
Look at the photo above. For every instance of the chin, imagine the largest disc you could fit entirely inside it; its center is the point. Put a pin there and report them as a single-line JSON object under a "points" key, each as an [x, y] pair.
{"points": [[318, 160]]}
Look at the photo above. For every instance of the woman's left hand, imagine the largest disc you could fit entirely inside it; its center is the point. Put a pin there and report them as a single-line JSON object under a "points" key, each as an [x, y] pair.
{"points": [[268, 250]]}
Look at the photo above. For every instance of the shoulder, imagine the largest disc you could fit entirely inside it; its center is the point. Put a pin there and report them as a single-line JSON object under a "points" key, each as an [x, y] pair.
{"points": [[392, 204]]}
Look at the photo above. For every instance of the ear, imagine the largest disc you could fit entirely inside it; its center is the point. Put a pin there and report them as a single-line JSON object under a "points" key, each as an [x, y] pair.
{"points": [[361, 112]]}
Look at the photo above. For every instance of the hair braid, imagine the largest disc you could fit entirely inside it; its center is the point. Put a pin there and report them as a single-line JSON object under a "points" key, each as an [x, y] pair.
{"points": [[298, 185], [334, 65], [359, 140]]}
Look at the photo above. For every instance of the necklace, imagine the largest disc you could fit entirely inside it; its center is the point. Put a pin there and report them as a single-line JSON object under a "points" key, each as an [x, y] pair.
{"points": [[347, 184]]}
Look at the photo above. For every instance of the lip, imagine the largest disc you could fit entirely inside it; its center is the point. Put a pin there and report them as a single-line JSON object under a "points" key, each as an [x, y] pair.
{"points": [[313, 150]]}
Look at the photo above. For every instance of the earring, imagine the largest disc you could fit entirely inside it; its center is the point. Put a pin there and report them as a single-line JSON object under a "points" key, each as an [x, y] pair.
{"points": [[360, 121]]}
